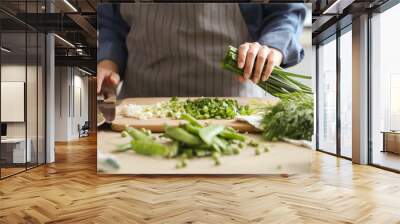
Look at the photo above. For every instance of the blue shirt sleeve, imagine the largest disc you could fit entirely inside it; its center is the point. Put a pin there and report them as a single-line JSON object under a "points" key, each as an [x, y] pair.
{"points": [[112, 32], [278, 26]]}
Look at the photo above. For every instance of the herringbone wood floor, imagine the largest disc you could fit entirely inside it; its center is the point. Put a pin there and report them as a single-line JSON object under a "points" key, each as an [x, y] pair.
{"points": [[70, 191]]}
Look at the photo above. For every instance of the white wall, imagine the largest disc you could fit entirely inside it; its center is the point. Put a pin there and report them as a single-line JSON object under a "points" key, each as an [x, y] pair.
{"points": [[16, 73], [80, 109], [33, 127], [70, 83], [61, 104]]}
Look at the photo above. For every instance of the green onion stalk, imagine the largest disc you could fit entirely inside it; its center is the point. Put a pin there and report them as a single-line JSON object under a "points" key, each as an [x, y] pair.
{"points": [[280, 81]]}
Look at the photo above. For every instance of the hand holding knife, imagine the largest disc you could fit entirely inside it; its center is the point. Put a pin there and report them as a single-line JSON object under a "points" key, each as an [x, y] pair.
{"points": [[106, 103], [107, 85]]}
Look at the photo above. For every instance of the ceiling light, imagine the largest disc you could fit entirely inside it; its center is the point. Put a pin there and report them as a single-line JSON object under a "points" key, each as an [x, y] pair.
{"points": [[84, 71], [5, 49], [337, 7], [65, 41], [333, 6], [70, 5], [80, 51]]}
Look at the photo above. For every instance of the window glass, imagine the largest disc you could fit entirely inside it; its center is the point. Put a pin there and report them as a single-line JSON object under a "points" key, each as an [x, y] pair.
{"points": [[15, 151], [346, 94], [23, 89], [327, 97], [385, 89]]}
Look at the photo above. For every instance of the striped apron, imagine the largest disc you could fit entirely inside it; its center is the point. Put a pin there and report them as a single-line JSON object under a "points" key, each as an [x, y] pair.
{"points": [[175, 49]]}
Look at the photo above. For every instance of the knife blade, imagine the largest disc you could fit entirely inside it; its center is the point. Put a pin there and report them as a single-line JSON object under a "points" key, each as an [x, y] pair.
{"points": [[106, 102]]}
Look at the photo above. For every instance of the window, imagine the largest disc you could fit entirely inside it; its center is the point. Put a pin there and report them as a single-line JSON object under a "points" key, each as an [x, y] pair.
{"points": [[327, 97], [385, 89], [22, 77], [346, 94]]}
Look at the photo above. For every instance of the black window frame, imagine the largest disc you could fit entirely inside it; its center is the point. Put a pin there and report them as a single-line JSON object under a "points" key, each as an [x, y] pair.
{"points": [[334, 36], [378, 10], [30, 29]]}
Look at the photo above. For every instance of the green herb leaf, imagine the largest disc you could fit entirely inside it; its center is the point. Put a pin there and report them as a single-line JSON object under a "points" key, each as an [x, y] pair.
{"points": [[292, 117]]}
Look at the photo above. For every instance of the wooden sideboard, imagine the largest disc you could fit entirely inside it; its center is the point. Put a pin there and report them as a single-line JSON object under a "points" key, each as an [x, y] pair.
{"points": [[391, 141]]}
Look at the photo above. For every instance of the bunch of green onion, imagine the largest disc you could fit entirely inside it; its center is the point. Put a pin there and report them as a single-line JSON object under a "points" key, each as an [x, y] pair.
{"points": [[279, 82]]}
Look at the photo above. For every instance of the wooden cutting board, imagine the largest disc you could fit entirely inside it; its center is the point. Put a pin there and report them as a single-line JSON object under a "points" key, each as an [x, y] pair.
{"points": [[282, 158], [157, 125]]}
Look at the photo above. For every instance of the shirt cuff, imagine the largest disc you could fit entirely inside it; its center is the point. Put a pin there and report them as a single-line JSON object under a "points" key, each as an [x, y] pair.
{"points": [[283, 41]]}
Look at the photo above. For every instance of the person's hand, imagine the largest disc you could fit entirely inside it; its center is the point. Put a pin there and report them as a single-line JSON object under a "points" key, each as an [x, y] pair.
{"points": [[257, 61], [107, 73]]}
